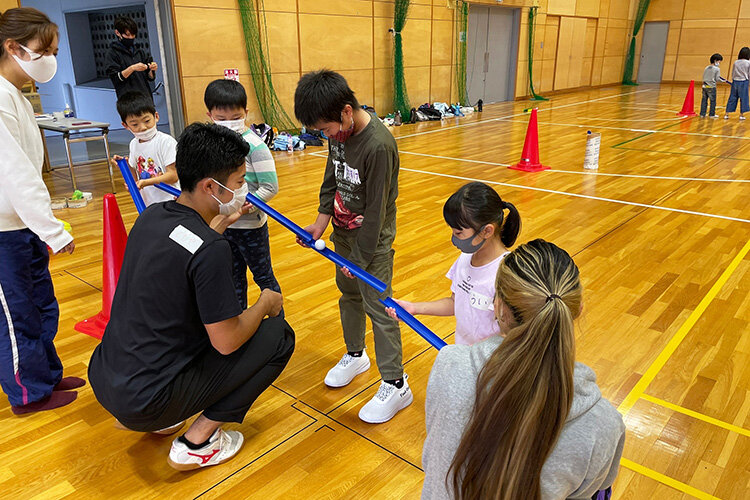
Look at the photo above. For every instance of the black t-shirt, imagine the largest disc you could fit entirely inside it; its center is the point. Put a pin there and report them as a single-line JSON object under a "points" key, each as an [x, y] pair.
{"points": [[176, 276]]}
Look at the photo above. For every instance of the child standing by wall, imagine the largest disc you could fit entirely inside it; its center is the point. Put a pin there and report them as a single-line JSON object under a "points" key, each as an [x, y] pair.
{"points": [[152, 152], [711, 75], [359, 192], [483, 234], [740, 77], [226, 102]]}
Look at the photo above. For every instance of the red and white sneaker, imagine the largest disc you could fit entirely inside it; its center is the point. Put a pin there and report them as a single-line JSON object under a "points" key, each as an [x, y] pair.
{"points": [[222, 446]]}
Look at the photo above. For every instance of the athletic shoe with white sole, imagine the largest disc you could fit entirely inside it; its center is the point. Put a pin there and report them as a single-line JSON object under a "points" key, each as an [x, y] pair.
{"points": [[388, 401], [346, 369], [222, 446]]}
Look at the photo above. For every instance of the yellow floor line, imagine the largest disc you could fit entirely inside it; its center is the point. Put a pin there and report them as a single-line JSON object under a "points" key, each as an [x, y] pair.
{"points": [[696, 415], [676, 340], [661, 478]]}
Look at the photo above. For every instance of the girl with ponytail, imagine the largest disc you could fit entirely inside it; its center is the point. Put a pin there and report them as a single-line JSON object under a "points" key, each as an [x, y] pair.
{"points": [[484, 228], [515, 416]]}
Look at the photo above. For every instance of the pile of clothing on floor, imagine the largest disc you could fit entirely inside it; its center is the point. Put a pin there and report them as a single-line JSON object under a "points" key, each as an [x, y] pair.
{"points": [[438, 111]]}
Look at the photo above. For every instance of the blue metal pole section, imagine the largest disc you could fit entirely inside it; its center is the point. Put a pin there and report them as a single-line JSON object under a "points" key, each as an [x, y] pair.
{"points": [[304, 236], [135, 193], [371, 280], [415, 324]]}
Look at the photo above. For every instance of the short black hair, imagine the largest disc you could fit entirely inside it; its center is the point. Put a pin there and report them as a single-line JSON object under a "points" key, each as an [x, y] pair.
{"points": [[125, 24], [225, 94], [321, 96], [744, 53], [208, 150], [134, 104], [716, 57]]}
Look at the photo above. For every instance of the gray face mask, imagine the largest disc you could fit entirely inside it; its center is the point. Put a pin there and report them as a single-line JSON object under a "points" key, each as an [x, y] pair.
{"points": [[465, 245]]}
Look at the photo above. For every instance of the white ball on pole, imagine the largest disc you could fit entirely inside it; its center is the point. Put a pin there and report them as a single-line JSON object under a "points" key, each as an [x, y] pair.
{"points": [[320, 245]]}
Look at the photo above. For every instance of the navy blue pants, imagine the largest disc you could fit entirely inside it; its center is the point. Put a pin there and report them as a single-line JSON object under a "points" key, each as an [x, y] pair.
{"points": [[250, 248], [739, 92], [29, 365]]}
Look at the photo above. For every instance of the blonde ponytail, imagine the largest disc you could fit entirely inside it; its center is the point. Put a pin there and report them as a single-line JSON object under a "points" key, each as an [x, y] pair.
{"points": [[525, 389]]}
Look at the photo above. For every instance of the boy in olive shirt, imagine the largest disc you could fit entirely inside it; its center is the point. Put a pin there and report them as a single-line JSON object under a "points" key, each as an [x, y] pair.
{"points": [[359, 192]]}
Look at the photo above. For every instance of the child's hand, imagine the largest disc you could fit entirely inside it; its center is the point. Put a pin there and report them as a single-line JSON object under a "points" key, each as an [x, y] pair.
{"points": [[68, 248], [316, 232], [345, 271], [408, 307], [141, 184]]}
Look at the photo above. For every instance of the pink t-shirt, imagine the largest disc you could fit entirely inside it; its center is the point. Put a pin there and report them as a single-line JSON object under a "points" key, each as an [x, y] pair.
{"points": [[474, 289]]}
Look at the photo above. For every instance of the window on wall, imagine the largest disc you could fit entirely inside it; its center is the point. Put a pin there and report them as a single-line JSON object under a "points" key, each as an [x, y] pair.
{"points": [[91, 33]]}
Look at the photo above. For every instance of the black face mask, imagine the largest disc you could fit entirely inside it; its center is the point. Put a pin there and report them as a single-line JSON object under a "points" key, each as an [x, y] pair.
{"points": [[129, 43]]}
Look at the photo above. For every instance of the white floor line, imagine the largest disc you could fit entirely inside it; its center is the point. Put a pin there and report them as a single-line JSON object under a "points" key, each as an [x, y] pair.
{"points": [[442, 129], [672, 132], [573, 172], [659, 177], [631, 119], [455, 159], [575, 195]]}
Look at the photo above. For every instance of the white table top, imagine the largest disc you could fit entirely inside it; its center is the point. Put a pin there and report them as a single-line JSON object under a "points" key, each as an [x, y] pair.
{"points": [[70, 124]]}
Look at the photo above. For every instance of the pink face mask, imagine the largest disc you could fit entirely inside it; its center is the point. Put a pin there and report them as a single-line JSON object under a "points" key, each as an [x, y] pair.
{"points": [[343, 135]]}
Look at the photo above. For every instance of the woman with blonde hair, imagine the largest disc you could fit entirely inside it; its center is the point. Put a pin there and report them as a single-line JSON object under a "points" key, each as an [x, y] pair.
{"points": [[515, 417]]}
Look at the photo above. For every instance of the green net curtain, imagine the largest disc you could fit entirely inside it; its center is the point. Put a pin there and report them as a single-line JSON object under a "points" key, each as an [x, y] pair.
{"points": [[640, 16], [256, 43], [400, 96], [532, 25], [461, 19]]}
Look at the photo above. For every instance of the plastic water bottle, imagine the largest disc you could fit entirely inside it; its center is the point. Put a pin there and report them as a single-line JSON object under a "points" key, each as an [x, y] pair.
{"points": [[67, 112], [290, 144], [397, 121]]}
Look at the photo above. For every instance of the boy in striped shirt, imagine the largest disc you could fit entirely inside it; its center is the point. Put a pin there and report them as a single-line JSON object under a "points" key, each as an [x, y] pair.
{"points": [[226, 102]]}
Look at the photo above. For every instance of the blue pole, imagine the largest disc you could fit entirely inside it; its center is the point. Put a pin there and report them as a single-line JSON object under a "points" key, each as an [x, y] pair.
{"points": [[303, 235], [415, 324], [340, 261], [135, 193]]}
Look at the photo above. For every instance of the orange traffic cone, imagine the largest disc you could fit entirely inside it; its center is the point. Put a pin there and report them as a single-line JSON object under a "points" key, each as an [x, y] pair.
{"points": [[530, 155], [113, 249], [688, 107]]}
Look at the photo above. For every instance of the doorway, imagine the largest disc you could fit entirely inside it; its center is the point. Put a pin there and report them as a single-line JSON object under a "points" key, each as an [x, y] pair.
{"points": [[652, 52], [491, 53]]}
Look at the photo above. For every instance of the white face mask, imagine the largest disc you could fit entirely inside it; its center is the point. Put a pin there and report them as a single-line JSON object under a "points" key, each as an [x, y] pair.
{"points": [[146, 135], [236, 125], [40, 68], [235, 203]]}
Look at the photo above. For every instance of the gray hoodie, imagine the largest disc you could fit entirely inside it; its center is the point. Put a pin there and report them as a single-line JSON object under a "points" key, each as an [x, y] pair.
{"points": [[584, 460]]}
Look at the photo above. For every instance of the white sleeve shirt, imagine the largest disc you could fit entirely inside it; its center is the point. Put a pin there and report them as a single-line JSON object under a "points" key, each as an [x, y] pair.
{"points": [[24, 199]]}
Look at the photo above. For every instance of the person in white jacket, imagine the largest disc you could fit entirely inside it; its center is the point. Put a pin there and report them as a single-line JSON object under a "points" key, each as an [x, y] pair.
{"points": [[30, 369]]}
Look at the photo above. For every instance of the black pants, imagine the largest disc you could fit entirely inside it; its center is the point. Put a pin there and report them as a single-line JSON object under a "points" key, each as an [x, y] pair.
{"points": [[225, 387], [250, 248], [709, 94]]}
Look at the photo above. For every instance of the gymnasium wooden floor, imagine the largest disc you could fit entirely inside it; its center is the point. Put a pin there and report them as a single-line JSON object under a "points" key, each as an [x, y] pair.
{"points": [[659, 233]]}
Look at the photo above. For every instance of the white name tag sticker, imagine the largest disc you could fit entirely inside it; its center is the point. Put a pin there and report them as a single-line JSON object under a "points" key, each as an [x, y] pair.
{"points": [[481, 302], [186, 238]]}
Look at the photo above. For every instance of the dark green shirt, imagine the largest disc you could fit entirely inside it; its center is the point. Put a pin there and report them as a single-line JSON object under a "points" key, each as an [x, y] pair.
{"points": [[360, 188]]}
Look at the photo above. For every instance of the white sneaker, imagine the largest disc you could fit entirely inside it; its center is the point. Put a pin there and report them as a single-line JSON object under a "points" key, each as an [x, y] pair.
{"points": [[346, 369], [222, 446], [388, 401]]}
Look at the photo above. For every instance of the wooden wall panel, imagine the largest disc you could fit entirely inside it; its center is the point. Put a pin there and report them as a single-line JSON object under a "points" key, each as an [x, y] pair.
{"points": [[706, 9], [351, 36], [7, 4]]}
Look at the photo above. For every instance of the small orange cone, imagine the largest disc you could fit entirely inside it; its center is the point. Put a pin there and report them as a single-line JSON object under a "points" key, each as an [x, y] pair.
{"points": [[530, 155], [688, 107], [113, 249]]}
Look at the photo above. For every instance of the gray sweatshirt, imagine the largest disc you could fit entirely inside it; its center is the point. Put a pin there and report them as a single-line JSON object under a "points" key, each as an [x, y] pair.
{"points": [[584, 460]]}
